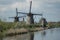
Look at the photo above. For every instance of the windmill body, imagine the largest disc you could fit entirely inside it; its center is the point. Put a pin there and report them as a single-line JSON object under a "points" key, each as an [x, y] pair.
{"points": [[30, 19], [16, 19]]}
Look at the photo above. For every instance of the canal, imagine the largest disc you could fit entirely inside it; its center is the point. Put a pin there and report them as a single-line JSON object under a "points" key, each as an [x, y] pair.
{"points": [[50, 34]]}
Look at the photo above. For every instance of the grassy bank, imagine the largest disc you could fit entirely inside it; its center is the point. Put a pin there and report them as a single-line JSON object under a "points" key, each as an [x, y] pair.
{"points": [[7, 26], [54, 24], [14, 27]]}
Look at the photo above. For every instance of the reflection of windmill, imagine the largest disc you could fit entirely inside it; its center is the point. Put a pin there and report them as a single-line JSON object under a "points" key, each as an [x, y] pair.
{"points": [[43, 35], [30, 19], [16, 18]]}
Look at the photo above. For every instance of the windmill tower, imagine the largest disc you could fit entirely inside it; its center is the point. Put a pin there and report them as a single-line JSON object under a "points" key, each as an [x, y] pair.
{"points": [[16, 18], [30, 19]]}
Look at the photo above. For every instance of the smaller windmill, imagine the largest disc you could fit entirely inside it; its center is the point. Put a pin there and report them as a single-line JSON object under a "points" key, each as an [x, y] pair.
{"points": [[16, 18]]}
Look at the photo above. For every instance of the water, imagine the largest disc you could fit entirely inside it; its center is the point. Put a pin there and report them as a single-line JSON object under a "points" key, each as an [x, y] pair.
{"points": [[18, 37], [50, 34]]}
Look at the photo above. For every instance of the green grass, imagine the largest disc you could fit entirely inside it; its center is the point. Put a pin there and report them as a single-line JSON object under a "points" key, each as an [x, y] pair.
{"points": [[8, 25]]}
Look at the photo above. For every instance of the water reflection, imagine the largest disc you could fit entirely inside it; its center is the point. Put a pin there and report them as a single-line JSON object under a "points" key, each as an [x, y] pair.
{"points": [[51, 34], [1, 38], [31, 36], [43, 33], [18, 37], [51, 31]]}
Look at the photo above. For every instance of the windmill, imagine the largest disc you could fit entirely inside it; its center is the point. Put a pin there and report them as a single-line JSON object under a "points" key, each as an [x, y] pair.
{"points": [[16, 18], [30, 19]]}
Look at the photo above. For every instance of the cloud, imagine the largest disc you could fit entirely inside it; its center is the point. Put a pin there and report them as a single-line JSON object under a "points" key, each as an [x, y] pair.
{"points": [[24, 4], [2, 9], [49, 7], [7, 2]]}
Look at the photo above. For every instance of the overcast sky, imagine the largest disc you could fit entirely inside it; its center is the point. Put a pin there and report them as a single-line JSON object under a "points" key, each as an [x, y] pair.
{"points": [[49, 8]]}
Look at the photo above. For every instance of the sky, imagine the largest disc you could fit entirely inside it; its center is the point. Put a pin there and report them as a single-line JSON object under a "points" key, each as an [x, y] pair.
{"points": [[49, 8]]}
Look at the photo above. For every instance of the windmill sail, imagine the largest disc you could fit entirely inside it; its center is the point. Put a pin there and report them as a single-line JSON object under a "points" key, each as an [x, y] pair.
{"points": [[30, 19], [16, 12], [30, 6], [38, 14], [22, 13]]}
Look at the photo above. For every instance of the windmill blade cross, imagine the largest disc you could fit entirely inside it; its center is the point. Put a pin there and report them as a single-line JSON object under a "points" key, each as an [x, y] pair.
{"points": [[11, 17], [21, 16], [16, 12], [30, 6], [22, 13], [38, 14]]}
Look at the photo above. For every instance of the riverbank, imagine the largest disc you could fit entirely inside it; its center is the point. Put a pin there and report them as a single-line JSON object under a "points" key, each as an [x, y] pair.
{"points": [[12, 32]]}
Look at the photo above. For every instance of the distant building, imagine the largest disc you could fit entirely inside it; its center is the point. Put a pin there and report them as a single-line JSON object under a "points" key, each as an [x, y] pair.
{"points": [[43, 22]]}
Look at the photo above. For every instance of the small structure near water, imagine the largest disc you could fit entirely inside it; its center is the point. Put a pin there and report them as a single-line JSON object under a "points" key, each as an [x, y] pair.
{"points": [[43, 22]]}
